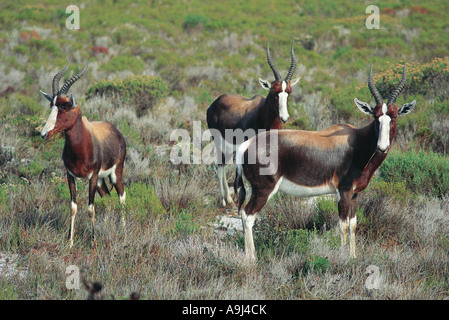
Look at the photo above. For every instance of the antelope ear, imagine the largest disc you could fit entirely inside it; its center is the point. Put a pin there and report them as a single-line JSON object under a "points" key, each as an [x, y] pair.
{"points": [[72, 101], [407, 107], [295, 81], [364, 107], [265, 84], [46, 96]]}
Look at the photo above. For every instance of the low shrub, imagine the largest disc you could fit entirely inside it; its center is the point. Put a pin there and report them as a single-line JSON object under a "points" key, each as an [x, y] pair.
{"points": [[429, 79], [184, 223], [316, 264], [194, 20], [143, 91], [124, 63], [142, 200], [421, 172]]}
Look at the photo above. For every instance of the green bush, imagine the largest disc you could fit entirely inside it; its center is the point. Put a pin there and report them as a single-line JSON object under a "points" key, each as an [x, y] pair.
{"points": [[29, 105], [194, 20], [326, 212], [316, 264], [123, 63], [184, 224], [430, 79], [300, 123], [143, 91], [421, 172], [342, 100], [141, 201], [297, 240]]}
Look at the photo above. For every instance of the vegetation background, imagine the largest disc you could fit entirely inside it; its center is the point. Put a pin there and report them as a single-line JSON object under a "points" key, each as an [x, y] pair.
{"points": [[154, 67]]}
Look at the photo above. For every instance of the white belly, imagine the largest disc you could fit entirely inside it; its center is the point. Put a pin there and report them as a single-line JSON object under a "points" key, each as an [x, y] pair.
{"points": [[303, 191]]}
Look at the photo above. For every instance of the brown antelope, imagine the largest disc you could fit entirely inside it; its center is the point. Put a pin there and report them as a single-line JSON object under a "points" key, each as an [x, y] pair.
{"points": [[92, 150], [338, 160], [235, 118]]}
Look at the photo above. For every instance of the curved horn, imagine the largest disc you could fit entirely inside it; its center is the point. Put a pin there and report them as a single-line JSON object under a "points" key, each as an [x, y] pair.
{"points": [[399, 88], [57, 77], [65, 88], [277, 75], [292, 66], [373, 88]]}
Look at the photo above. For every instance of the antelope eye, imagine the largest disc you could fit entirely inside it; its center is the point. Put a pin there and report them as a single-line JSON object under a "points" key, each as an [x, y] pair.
{"points": [[64, 106]]}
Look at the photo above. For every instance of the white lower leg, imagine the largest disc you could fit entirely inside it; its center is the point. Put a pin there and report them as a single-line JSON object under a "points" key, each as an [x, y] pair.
{"points": [[220, 170], [91, 210], [122, 202], [344, 225], [352, 228], [227, 193], [123, 198], [74, 208], [248, 222]]}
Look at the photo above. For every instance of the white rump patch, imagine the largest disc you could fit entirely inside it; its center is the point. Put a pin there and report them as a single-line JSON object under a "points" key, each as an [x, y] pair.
{"points": [[241, 151], [106, 173]]}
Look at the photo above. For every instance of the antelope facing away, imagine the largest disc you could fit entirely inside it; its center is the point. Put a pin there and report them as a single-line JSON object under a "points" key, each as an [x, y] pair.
{"points": [[235, 118], [338, 160], [92, 150]]}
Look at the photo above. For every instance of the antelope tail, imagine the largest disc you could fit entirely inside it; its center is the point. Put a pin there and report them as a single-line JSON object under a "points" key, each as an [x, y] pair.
{"points": [[239, 187]]}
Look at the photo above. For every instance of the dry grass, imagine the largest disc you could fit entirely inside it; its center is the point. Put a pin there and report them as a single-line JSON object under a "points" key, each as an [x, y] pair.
{"points": [[176, 253], [168, 248]]}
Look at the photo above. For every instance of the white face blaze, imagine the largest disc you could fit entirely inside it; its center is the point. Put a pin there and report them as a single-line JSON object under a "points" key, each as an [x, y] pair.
{"points": [[283, 112], [51, 121], [383, 141]]}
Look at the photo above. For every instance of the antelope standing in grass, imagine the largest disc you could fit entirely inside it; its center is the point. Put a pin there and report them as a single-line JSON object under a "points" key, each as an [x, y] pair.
{"points": [[235, 118], [93, 150], [338, 160]]}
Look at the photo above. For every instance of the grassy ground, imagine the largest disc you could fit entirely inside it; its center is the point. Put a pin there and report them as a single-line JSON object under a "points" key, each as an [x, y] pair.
{"points": [[196, 51]]}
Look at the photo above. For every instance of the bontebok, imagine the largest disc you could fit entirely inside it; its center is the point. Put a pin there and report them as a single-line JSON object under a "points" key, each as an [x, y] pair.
{"points": [[93, 150], [338, 160], [237, 118]]}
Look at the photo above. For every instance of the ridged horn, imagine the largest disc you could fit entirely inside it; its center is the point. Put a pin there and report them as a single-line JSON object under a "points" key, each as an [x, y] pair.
{"points": [[398, 89], [292, 69], [65, 88], [57, 77], [373, 88], [277, 75]]}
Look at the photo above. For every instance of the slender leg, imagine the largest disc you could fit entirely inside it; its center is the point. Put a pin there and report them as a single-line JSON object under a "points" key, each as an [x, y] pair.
{"points": [[228, 155], [222, 158], [248, 222], [220, 173], [353, 224], [91, 209], [344, 226], [227, 193], [102, 188], [117, 180], [259, 198], [346, 210], [74, 207]]}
